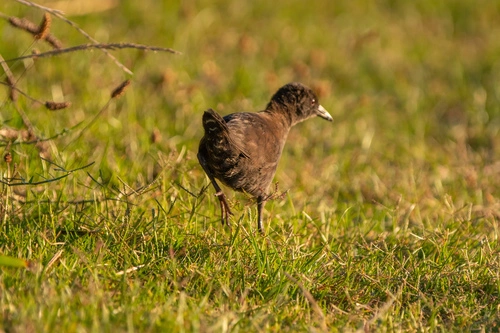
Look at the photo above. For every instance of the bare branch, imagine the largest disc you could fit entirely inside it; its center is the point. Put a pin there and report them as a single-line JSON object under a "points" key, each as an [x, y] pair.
{"points": [[111, 46], [12, 134], [47, 9], [60, 15], [11, 82], [22, 182]]}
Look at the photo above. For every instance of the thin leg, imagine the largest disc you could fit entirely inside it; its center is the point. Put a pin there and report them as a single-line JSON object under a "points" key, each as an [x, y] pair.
{"points": [[224, 206], [260, 205]]}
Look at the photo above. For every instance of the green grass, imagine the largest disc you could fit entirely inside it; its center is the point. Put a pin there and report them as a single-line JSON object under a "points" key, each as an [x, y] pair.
{"points": [[391, 219]]}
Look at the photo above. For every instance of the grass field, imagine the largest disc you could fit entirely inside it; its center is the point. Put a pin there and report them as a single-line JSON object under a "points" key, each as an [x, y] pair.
{"points": [[390, 216]]}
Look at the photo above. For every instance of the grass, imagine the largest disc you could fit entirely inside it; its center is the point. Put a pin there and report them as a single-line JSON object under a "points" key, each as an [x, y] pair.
{"points": [[391, 219]]}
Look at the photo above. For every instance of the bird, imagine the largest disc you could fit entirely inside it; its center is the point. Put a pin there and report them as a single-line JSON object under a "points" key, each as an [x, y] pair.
{"points": [[242, 149]]}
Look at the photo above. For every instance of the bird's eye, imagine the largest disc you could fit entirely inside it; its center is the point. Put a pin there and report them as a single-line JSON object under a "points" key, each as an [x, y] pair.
{"points": [[313, 101]]}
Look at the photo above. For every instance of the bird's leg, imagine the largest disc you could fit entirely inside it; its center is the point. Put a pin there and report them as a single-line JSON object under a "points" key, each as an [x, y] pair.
{"points": [[260, 205], [224, 206]]}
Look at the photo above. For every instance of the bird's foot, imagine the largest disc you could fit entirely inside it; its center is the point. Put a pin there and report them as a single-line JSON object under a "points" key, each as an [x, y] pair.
{"points": [[224, 207]]}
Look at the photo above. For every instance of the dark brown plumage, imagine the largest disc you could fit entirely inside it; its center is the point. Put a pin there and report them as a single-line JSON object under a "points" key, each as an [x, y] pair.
{"points": [[242, 150]]}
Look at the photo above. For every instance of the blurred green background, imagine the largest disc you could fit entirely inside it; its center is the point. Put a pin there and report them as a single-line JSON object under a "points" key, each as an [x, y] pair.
{"points": [[411, 163]]}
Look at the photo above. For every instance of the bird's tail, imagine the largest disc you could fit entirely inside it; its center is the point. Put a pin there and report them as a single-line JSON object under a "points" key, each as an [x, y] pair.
{"points": [[217, 132], [214, 124]]}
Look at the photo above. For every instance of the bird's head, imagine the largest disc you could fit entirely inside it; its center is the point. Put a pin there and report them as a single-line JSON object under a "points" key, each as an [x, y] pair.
{"points": [[298, 102]]}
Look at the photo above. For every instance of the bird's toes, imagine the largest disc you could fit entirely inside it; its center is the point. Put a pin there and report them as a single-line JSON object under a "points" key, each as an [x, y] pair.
{"points": [[225, 213], [225, 220]]}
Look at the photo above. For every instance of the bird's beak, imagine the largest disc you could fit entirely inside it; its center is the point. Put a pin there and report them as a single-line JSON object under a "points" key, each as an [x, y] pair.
{"points": [[321, 112]]}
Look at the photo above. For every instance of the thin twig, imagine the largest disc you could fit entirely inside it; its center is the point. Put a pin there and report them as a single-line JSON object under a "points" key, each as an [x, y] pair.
{"points": [[55, 136], [27, 123], [381, 311], [17, 89], [185, 189], [275, 194], [139, 191], [59, 14], [316, 308], [11, 82], [42, 146], [50, 105], [54, 259], [111, 46], [117, 92], [130, 270], [47, 9], [22, 182], [89, 124], [76, 202]]}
